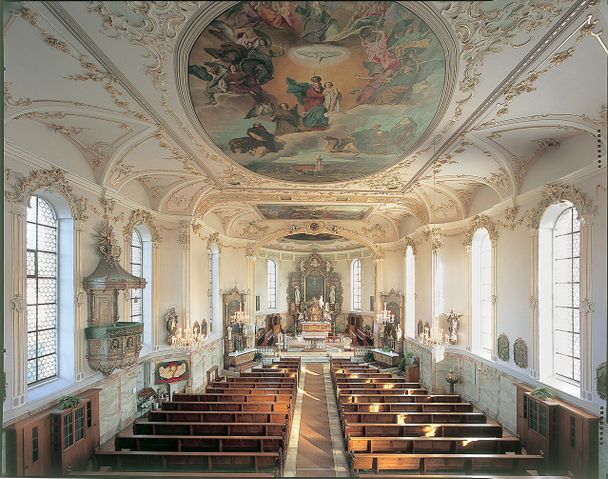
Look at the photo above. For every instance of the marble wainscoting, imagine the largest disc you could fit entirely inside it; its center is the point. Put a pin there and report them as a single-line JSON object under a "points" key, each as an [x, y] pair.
{"points": [[489, 389]]}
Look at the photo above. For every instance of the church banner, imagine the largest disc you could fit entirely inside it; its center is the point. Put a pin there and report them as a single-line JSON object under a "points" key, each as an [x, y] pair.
{"points": [[171, 372]]}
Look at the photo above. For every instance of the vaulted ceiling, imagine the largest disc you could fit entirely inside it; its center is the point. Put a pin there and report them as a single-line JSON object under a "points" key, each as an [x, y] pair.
{"points": [[103, 90]]}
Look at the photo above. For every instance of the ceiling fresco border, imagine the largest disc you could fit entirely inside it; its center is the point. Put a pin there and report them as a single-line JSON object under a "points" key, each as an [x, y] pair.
{"points": [[533, 56], [72, 26], [196, 24]]}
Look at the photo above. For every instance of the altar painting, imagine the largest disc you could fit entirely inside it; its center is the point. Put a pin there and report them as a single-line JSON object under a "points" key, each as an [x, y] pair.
{"points": [[316, 92], [315, 287]]}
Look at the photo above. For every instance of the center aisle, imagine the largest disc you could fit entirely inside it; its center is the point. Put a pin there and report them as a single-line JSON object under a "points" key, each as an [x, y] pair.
{"points": [[315, 446]]}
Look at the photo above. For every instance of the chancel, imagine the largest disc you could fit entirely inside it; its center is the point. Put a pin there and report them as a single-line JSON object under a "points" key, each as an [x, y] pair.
{"points": [[305, 239]]}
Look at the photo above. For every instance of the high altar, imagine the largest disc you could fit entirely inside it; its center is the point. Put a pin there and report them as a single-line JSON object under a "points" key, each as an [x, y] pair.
{"points": [[314, 296]]}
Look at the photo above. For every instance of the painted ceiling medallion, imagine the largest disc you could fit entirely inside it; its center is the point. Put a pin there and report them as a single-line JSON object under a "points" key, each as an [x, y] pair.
{"points": [[316, 92], [313, 212]]}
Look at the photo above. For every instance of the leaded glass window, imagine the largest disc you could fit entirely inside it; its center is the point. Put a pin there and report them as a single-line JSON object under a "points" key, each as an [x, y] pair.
{"points": [[410, 290], [482, 287], [272, 284], [41, 265], [355, 275], [137, 253], [566, 277]]}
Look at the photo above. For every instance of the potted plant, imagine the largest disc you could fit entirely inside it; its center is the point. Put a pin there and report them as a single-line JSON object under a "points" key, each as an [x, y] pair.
{"points": [[69, 401], [258, 356], [543, 392], [369, 357], [409, 367]]}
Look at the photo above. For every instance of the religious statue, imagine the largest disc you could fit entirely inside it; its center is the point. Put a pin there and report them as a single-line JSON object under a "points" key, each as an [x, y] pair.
{"points": [[399, 333], [453, 323], [332, 295], [171, 320], [296, 296]]}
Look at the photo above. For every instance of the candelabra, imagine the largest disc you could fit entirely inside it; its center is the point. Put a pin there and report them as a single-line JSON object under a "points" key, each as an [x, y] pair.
{"points": [[187, 339], [241, 316], [385, 316]]}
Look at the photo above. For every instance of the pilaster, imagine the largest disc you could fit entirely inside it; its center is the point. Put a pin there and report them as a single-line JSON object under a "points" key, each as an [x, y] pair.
{"points": [[18, 302], [80, 305]]}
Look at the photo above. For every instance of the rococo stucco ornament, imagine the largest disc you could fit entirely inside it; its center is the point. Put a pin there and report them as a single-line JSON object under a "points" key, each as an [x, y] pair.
{"points": [[503, 347], [139, 217], [520, 353], [480, 221], [556, 193], [52, 179]]}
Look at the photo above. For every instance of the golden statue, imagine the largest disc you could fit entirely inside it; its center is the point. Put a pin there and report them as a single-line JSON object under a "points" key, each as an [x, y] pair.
{"points": [[315, 310]]}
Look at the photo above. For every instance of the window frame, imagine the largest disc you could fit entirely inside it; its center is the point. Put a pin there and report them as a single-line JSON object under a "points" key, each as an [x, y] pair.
{"points": [[136, 295], [36, 251], [574, 285], [482, 277], [356, 284], [271, 283]]}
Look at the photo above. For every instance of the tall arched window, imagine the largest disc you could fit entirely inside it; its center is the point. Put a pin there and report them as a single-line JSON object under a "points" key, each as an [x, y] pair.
{"points": [[42, 282], [481, 291], [355, 281], [410, 292], [566, 279], [137, 254], [272, 284]]}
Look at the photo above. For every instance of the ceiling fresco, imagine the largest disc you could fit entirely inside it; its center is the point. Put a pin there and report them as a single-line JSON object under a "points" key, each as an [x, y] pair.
{"points": [[316, 92], [309, 237], [313, 212]]}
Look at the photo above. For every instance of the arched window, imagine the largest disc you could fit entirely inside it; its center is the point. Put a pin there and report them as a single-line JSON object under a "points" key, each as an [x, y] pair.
{"points": [[559, 287], [481, 291], [214, 286], [42, 286], [355, 281], [410, 292], [272, 284], [137, 269], [566, 279]]}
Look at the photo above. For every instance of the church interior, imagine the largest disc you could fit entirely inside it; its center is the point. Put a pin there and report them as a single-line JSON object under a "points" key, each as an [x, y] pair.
{"points": [[305, 239]]}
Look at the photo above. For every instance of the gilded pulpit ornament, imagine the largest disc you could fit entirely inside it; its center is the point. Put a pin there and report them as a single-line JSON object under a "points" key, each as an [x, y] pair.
{"points": [[503, 347], [520, 353]]}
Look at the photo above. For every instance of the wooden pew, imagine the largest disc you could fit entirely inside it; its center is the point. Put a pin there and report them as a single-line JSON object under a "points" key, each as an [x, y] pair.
{"points": [[378, 382], [226, 406], [383, 392], [239, 379], [192, 461], [150, 442], [249, 391], [365, 375], [386, 398], [425, 429], [146, 474], [414, 417], [218, 416], [407, 407], [252, 385], [454, 445], [458, 463], [233, 397], [268, 374], [209, 428]]}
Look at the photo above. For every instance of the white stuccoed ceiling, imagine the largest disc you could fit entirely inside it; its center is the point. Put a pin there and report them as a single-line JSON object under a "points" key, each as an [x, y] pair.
{"points": [[97, 88]]}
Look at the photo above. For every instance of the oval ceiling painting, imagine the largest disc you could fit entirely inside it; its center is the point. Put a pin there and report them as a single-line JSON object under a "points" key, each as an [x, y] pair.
{"points": [[316, 92]]}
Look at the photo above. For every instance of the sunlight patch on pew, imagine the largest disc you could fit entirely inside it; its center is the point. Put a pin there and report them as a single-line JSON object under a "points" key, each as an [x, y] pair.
{"points": [[430, 431], [466, 442]]}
